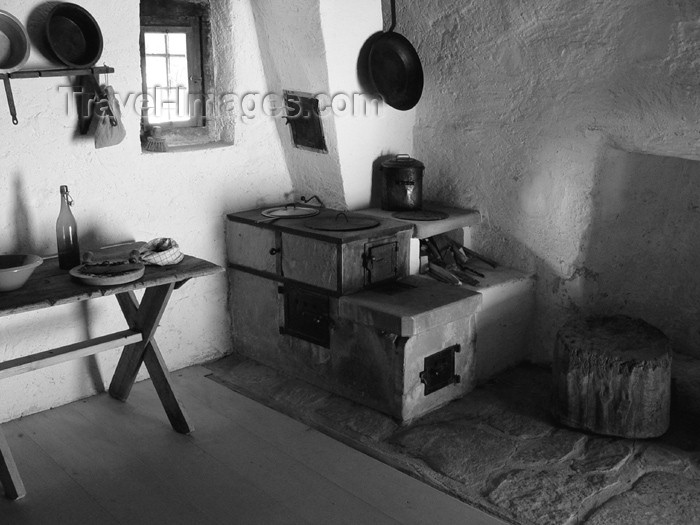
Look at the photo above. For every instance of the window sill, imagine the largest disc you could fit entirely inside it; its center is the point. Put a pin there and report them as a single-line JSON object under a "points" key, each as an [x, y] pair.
{"points": [[203, 146], [189, 139]]}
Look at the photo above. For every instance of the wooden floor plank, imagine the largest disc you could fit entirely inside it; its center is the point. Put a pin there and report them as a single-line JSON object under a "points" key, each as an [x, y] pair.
{"points": [[398, 495], [10, 479], [116, 479], [321, 500], [217, 492], [103, 461], [53, 497]]}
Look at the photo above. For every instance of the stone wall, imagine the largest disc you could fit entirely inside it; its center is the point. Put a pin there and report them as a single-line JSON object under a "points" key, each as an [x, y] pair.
{"points": [[525, 104]]}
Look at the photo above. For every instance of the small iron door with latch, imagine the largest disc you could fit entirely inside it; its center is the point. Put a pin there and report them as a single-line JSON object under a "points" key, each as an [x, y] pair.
{"points": [[306, 315], [380, 262], [439, 370]]}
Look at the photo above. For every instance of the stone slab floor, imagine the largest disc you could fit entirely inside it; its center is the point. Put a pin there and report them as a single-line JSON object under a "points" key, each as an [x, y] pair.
{"points": [[499, 449]]}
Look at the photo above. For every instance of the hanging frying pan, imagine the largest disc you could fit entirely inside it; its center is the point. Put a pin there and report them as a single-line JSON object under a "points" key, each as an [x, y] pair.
{"points": [[394, 68], [14, 52], [73, 35]]}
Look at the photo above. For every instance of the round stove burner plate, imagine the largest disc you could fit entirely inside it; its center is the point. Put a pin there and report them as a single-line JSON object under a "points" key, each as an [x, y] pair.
{"points": [[420, 215], [290, 211], [342, 223]]}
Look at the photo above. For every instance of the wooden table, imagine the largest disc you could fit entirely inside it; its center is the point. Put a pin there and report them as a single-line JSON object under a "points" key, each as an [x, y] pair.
{"points": [[51, 286]]}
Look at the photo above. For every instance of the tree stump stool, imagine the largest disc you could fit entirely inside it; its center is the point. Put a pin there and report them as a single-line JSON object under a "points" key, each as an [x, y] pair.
{"points": [[612, 375]]}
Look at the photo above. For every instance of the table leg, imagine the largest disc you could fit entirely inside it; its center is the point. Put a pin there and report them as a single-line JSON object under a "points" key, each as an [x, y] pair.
{"points": [[160, 377], [9, 475], [145, 318]]}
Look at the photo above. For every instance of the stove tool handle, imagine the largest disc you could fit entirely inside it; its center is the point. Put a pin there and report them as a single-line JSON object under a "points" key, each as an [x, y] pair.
{"points": [[307, 201]]}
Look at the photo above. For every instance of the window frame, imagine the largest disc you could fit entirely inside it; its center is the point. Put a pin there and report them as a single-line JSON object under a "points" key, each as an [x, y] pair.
{"points": [[179, 13], [195, 76]]}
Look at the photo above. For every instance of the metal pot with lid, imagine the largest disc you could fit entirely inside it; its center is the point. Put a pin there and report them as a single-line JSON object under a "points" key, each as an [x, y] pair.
{"points": [[402, 184]]}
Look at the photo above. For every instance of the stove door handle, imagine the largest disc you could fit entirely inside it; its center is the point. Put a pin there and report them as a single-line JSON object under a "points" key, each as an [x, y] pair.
{"points": [[369, 261], [317, 318]]}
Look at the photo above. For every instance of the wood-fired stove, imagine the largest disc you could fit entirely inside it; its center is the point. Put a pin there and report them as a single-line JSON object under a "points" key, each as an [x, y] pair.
{"points": [[336, 307]]}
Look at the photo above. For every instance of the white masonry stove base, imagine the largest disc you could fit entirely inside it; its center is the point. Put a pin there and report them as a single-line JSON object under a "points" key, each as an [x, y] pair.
{"points": [[300, 303]]}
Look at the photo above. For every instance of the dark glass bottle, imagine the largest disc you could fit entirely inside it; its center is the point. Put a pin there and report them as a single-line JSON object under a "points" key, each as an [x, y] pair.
{"points": [[67, 233]]}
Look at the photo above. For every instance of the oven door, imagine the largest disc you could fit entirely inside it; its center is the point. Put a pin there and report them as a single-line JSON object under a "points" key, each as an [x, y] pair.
{"points": [[306, 315], [380, 262]]}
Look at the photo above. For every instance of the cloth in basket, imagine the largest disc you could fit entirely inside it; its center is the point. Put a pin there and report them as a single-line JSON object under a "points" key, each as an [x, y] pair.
{"points": [[162, 251]]}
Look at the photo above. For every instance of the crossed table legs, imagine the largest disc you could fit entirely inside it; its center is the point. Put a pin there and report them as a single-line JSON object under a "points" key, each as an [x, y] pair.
{"points": [[142, 319]]}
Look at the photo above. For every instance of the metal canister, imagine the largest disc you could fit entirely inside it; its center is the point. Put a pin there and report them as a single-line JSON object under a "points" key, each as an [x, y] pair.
{"points": [[402, 183]]}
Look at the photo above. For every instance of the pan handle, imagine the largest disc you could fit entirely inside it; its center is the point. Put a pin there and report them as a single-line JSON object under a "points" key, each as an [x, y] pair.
{"points": [[393, 16], [10, 99]]}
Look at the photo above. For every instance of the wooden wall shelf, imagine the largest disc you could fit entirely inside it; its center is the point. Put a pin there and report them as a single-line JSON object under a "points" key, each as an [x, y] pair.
{"points": [[41, 73], [60, 72]]}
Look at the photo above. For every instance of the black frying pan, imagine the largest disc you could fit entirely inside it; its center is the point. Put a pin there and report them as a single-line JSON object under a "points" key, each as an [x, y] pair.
{"points": [[393, 67]]}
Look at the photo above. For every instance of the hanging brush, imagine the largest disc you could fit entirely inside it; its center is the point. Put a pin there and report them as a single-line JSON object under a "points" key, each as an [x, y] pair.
{"points": [[156, 142]]}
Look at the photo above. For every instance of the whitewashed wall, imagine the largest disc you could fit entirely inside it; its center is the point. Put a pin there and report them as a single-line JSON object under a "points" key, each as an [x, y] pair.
{"points": [[313, 46], [365, 133], [121, 194]]}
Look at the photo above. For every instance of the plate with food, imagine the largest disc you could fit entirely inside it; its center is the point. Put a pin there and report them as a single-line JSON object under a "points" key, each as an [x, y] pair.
{"points": [[108, 272]]}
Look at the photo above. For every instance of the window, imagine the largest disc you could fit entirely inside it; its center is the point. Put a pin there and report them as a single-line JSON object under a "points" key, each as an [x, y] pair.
{"points": [[176, 69], [172, 76]]}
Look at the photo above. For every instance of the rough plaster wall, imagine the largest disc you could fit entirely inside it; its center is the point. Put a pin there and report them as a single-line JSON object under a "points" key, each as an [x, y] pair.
{"points": [[120, 194], [290, 38], [524, 99]]}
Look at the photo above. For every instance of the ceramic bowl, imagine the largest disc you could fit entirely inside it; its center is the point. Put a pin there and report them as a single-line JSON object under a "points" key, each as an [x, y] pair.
{"points": [[15, 270]]}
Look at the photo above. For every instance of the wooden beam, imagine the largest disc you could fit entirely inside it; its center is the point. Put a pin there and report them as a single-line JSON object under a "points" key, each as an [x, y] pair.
{"points": [[27, 363]]}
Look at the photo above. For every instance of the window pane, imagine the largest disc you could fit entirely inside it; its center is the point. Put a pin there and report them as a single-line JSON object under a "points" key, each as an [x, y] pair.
{"points": [[156, 71], [169, 100], [168, 105], [177, 43], [156, 119], [166, 70], [178, 72], [154, 43], [180, 110]]}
